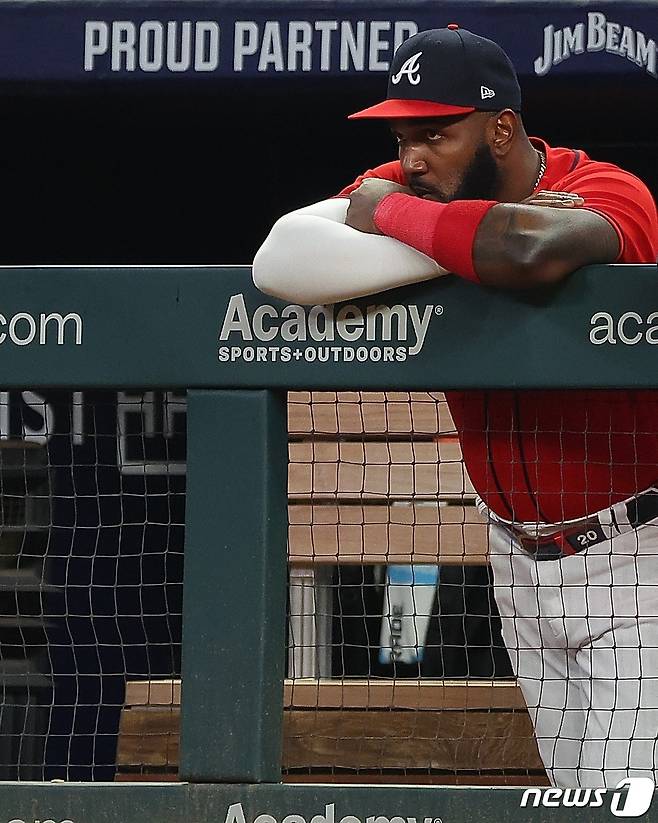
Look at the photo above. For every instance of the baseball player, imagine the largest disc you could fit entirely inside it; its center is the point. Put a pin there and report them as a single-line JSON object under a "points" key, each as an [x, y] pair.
{"points": [[569, 479]]}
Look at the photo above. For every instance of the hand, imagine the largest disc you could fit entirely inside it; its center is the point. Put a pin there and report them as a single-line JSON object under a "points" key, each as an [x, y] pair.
{"points": [[554, 199], [364, 202]]}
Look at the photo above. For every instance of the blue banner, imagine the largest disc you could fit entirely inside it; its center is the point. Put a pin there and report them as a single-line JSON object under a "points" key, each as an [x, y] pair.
{"points": [[136, 41]]}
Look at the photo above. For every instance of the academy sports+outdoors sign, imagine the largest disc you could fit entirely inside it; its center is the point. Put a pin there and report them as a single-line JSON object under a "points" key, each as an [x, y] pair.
{"points": [[401, 328]]}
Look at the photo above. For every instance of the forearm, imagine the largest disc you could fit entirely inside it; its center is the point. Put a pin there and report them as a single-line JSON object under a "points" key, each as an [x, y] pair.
{"points": [[310, 256], [501, 244], [517, 246]]}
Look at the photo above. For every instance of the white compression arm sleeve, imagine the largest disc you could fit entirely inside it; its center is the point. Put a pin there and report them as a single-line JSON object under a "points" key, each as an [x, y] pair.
{"points": [[311, 256]]}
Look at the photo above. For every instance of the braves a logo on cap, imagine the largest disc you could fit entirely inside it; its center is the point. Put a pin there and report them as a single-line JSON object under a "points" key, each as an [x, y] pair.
{"points": [[410, 69], [486, 93]]}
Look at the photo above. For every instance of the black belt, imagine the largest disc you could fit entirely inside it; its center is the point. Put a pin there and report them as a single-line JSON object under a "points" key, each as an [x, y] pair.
{"points": [[639, 510]]}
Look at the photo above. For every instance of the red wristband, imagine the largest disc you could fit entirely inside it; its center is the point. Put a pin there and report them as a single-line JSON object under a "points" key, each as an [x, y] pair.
{"points": [[443, 231]]}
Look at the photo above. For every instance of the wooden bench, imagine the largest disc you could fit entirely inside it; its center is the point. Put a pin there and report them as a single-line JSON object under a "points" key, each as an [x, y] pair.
{"points": [[387, 731], [373, 478]]}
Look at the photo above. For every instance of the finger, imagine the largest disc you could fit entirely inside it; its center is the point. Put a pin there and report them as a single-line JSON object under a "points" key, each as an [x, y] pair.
{"points": [[556, 195], [559, 195], [555, 205], [557, 201], [561, 204]]}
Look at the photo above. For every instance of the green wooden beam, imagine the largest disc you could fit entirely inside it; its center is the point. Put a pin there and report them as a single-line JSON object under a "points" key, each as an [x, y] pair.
{"points": [[234, 601], [211, 328]]}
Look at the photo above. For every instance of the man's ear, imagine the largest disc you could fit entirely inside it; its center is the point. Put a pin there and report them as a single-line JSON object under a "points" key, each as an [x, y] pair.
{"points": [[501, 130]]}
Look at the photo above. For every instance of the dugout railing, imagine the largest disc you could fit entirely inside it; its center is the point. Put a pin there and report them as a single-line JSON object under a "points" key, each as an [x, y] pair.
{"points": [[208, 330]]}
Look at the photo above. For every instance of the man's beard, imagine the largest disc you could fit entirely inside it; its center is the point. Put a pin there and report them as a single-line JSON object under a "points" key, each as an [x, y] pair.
{"points": [[480, 180]]}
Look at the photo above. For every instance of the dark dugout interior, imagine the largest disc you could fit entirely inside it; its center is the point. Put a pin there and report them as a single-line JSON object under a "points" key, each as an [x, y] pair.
{"points": [[194, 174]]}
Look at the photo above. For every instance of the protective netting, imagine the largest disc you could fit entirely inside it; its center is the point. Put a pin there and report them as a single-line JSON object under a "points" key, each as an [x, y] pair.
{"points": [[396, 667], [91, 539]]}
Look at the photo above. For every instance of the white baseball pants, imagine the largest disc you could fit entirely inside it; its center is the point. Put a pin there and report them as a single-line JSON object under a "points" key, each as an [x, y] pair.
{"points": [[582, 635]]}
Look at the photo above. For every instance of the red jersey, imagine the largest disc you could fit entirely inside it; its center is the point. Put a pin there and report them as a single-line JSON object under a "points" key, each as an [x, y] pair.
{"points": [[549, 456]]}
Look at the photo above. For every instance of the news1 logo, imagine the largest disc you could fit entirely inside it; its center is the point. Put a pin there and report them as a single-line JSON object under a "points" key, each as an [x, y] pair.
{"points": [[631, 797]]}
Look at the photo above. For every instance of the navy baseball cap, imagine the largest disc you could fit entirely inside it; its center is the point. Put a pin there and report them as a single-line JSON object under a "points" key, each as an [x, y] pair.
{"points": [[447, 71]]}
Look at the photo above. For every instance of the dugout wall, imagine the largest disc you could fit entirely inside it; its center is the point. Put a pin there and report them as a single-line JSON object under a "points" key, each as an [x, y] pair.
{"points": [[231, 714]]}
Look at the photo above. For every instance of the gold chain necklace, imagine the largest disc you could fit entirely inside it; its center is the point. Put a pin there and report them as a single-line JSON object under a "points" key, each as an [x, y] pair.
{"points": [[542, 168]]}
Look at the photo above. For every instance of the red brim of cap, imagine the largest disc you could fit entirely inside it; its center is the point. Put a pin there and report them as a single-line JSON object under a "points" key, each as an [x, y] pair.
{"points": [[409, 108]]}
